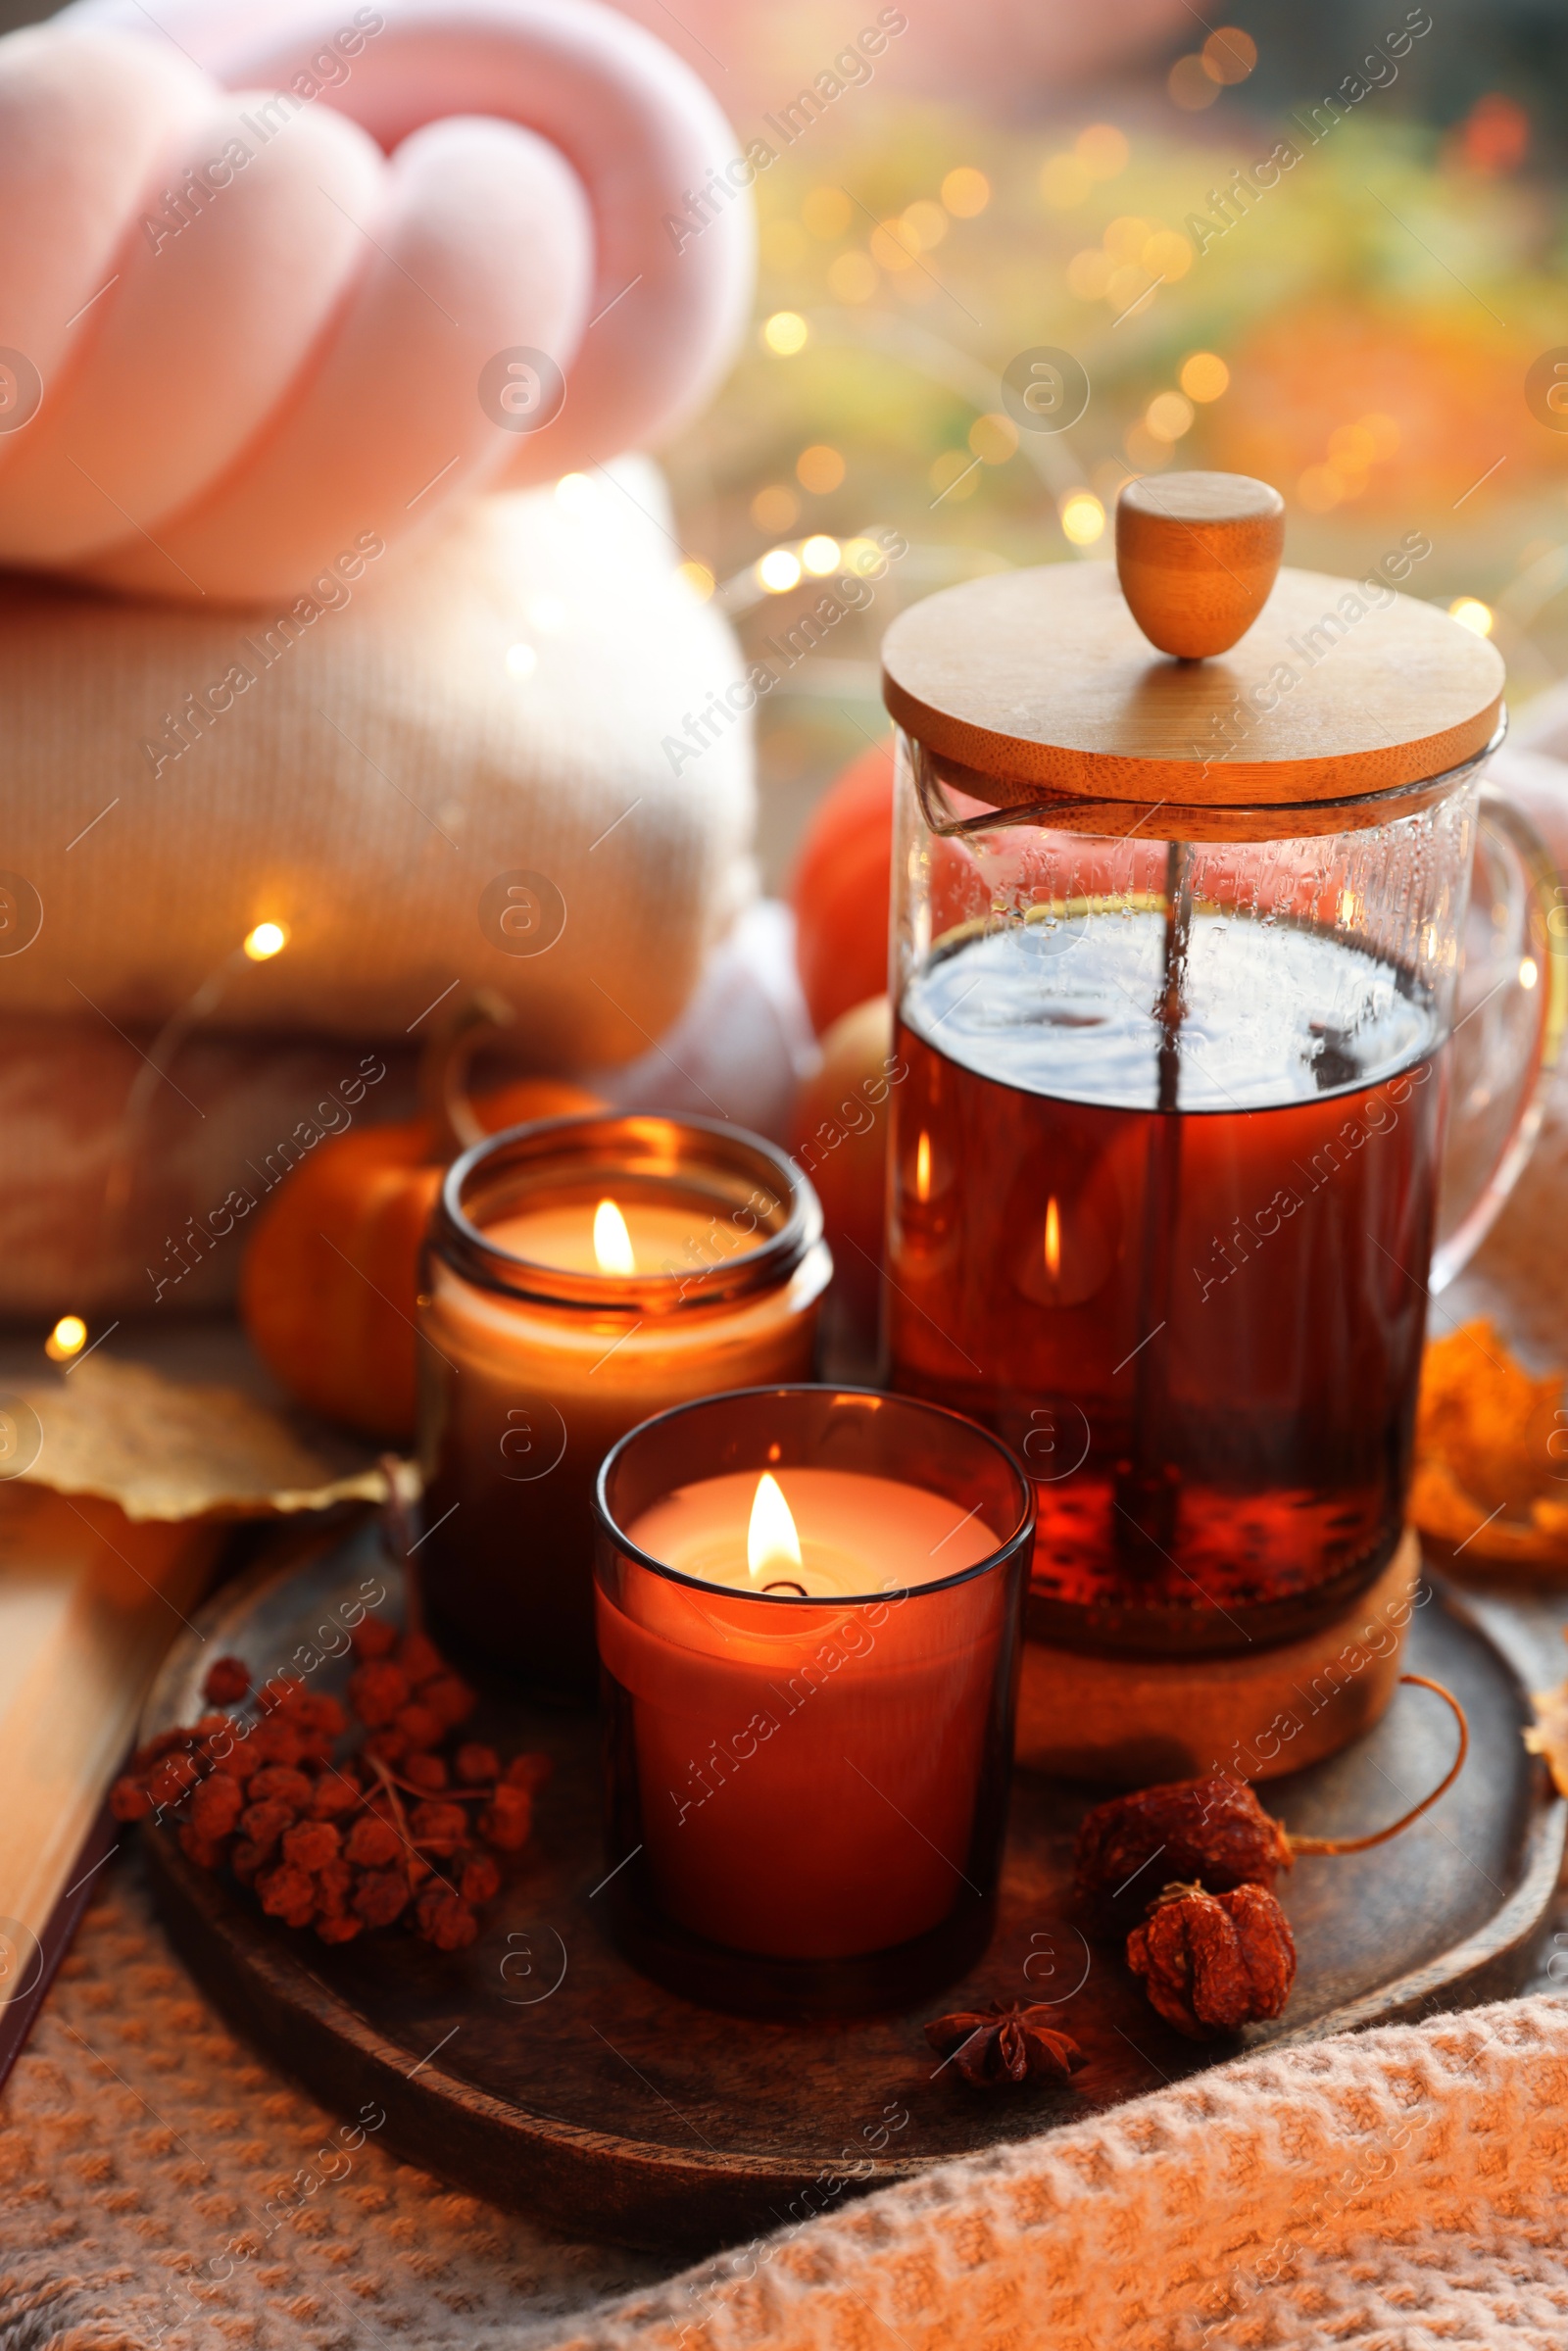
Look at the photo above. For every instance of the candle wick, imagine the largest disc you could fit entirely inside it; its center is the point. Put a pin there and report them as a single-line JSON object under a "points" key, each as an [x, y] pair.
{"points": [[785, 1583]]}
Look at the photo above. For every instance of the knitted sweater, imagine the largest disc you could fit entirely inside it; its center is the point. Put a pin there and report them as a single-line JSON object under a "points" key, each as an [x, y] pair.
{"points": [[1400, 2190]]}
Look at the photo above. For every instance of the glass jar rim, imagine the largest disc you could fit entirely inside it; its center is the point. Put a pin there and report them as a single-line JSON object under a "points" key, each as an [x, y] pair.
{"points": [[1006, 1549], [659, 1143], [1244, 822]]}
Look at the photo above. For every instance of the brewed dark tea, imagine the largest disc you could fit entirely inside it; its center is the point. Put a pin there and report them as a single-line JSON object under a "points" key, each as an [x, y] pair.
{"points": [[1181, 876], [1162, 1213]]}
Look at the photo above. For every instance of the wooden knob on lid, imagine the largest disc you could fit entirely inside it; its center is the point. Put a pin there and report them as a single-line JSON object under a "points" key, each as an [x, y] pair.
{"points": [[1196, 554]]}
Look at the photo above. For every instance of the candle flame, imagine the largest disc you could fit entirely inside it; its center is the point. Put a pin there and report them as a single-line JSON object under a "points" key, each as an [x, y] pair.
{"points": [[922, 1169], [1052, 1238], [773, 1547], [612, 1249]]}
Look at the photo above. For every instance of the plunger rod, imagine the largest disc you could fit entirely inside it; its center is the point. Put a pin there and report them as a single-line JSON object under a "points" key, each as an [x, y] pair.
{"points": [[1147, 1490]]}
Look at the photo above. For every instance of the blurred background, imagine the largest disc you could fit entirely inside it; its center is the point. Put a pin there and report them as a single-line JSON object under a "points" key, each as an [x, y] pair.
{"points": [[1027, 173], [1018, 175]]}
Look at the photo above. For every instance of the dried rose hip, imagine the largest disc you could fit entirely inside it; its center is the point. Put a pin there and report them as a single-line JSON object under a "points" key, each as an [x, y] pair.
{"points": [[480, 1881], [380, 1897], [387, 1746], [318, 1714], [445, 1921], [420, 1659], [232, 1756], [282, 1784], [336, 1792], [311, 1845], [128, 1799], [506, 1821], [338, 1926], [376, 1692], [287, 1894], [207, 1852], [1213, 1962], [372, 1844], [373, 1638], [264, 1824], [419, 1725], [334, 1882], [449, 1699], [276, 1742], [476, 1765], [215, 1807], [226, 1682], [439, 1827], [1214, 1832]]}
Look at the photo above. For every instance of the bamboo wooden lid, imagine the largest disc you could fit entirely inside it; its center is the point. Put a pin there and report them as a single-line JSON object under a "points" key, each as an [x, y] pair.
{"points": [[1314, 689]]}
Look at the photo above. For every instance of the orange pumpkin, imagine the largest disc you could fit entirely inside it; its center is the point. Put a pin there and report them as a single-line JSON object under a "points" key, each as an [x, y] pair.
{"points": [[840, 890], [329, 1282]]}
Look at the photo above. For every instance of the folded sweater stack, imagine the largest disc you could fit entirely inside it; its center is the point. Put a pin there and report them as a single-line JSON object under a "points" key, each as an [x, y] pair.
{"points": [[289, 640]]}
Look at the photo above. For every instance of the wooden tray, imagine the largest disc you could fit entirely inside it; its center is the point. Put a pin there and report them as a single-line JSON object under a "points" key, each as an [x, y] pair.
{"points": [[539, 2069]]}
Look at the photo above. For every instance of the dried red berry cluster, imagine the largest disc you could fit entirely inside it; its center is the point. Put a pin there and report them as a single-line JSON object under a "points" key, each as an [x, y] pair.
{"points": [[393, 1828]]}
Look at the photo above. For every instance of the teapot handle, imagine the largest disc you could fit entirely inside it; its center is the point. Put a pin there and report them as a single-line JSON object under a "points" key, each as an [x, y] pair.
{"points": [[1509, 1020]]}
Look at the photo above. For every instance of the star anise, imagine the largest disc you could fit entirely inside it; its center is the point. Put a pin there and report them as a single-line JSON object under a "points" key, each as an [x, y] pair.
{"points": [[1005, 2042], [1211, 1962], [1212, 1832]]}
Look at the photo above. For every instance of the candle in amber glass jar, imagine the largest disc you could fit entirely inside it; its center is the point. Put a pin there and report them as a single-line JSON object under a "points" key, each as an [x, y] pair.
{"points": [[582, 1274], [808, 1614]]}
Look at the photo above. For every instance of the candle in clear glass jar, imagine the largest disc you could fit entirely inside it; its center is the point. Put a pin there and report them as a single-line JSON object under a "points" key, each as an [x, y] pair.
{"points": [[810, 1663], [581, 1275]]}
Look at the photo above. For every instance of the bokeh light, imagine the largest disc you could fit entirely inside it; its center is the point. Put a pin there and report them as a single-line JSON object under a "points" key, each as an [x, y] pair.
{"points": [[785, 333], [827, 213], [1229, 55], [1204, 376], [993, 438], [1168, 416], [775, 507], [965, 192], [926, 222], [1064, 181], [1083, 517], [852, 277], [68, 1338], [1191, 84], [818, 470], [779, 571], [1103, 150]]}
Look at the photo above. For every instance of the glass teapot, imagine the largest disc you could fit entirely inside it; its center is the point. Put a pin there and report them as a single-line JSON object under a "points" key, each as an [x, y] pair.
{"points": [[1181, 876]]}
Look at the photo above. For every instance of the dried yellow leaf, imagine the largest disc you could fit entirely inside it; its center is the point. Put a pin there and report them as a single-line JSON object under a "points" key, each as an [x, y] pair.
{"points": [[165, 1450], [1547, 1734], [1489, 1436]]}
